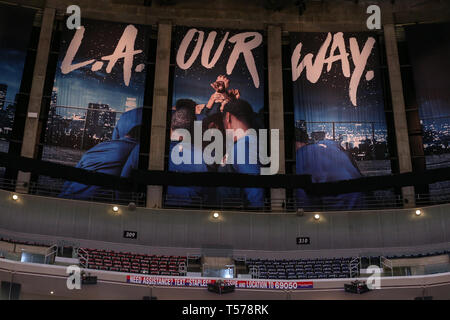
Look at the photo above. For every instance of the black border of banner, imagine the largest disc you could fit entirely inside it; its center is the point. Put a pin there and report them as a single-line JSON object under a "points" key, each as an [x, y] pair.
{"points": [[217, 179]]}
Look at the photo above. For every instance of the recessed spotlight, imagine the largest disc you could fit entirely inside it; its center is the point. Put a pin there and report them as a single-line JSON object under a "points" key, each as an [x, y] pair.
{"points": [[216, 215], [317, 216], [418, 212], [15, 197], [51, 292], [115, 209]]}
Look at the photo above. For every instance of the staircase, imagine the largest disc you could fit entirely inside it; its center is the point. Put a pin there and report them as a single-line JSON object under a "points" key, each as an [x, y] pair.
{"points": [[355, 266]]}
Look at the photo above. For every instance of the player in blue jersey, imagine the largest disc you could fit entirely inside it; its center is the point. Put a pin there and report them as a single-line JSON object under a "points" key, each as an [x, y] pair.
{"points": [[239, 116], [117, 157], [183, 118], [325, 161]]}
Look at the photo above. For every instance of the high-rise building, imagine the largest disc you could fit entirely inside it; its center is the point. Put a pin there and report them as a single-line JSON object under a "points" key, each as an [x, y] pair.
{"points": [[100, 122], [3, 90], [54, 97]]}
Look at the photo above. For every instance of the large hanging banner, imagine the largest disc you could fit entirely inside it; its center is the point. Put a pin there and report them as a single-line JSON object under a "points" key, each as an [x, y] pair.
{"points": [[96, 105], [218, 88], [340, 126], [429, 51], [15, 29]]}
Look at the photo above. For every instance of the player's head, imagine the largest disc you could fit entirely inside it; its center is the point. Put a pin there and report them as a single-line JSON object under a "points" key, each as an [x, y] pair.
{"points": [[238, 114]]}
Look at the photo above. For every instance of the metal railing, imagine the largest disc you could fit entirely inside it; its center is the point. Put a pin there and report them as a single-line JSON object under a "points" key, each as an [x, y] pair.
{"points": [[386, 264], [383, 200], [51, 254], [327, 203], [354, 267], [375, 201], [254, 271], [83, 257], [54, 190], [440, 196]]}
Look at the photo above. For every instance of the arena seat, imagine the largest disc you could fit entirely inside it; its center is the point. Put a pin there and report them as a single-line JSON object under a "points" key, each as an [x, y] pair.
{"points": [[320, 268], [131, 262], [300, 269]]}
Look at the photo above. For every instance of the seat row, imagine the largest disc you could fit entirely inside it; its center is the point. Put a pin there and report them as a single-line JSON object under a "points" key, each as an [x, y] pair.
{"points": [[300, 269], [131, 262], [293, 276]]}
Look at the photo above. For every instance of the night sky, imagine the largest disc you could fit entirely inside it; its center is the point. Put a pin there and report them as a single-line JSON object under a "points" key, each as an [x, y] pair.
{"points": [[11, 68], [15, 29], [194, 83], [429, 50], [82, 86]]}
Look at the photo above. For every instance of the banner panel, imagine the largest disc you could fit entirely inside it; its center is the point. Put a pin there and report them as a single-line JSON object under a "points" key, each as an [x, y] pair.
{"points": [[204, 282], [218, 89], [429, 49], [96, 105], [15, 29], [340, 125]]}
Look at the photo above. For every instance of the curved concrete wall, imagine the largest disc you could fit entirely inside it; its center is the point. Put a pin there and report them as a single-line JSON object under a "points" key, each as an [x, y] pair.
{"points": [[60, 218]]}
